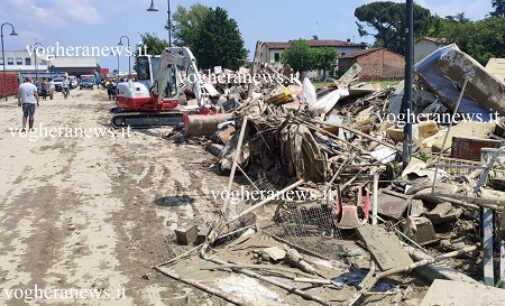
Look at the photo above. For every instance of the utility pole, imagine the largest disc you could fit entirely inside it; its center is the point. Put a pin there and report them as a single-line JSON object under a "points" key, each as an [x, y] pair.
{"points": [[152, 8], [13, 33], [407, 96], [36, 45], [129, 57]]}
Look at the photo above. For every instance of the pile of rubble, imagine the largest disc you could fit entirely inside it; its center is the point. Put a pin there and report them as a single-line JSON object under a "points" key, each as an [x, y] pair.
{"points": [[357, 228]]}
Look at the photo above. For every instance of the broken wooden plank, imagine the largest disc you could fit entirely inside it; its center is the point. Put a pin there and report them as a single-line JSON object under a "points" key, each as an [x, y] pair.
{"points": [[385, 247], [450, 293]]}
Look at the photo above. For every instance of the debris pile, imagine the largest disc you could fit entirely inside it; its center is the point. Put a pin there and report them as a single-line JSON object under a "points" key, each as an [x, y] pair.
{"points": [[339, 221]]}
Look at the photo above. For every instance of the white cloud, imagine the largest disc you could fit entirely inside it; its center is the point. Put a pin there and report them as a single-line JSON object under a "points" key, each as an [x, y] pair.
{"points": [[84, 12], [29, 11], [29, 37], [475, 9]]}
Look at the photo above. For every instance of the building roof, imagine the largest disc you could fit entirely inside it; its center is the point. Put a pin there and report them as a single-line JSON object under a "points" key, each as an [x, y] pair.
{"points": [[360, 53], [438, 41], [496, 66], [75, 62], [312, 43], [40, 68]]}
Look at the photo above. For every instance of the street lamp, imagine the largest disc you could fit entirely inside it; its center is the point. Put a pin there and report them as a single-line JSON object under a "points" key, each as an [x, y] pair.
{"points": [[152, 8], [35, 45], [409, 69], [13, 33], [129, 57]]}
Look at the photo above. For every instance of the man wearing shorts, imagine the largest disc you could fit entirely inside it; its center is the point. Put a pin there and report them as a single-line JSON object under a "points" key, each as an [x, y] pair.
{"points": [[27, 98]]}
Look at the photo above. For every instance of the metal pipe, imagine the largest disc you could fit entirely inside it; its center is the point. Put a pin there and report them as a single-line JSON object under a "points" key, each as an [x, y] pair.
{"points": [[442, 149], [407, 97]]}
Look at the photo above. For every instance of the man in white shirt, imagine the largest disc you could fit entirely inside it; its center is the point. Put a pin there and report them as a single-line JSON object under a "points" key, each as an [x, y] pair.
{"points": [[27, 98]]}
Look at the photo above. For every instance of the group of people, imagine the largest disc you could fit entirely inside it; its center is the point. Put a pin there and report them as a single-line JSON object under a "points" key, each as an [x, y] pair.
{"points": [[28, 96]]}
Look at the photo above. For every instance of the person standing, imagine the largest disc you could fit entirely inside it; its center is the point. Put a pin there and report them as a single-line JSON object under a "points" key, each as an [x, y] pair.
{"points": [[65, 88], [44, 86], [27, 99]]}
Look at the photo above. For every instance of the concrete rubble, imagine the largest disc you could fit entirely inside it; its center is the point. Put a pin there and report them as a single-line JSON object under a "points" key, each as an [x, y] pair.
{"points": [[370, 232]]}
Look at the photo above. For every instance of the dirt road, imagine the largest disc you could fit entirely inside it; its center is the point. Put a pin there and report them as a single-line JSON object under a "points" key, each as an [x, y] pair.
{"points": [[94, 210]]}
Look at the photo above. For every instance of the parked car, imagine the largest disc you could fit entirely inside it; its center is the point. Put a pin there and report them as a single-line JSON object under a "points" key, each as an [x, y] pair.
{"points": [[58, 84], [73, 82], [87, 82]]}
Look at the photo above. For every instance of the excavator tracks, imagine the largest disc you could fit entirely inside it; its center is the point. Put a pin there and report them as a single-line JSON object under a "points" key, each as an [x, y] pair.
{"points": [[146, 120]]}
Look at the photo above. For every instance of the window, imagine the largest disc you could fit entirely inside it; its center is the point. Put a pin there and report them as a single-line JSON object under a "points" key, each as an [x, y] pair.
{"points": [[1, 61], [28, 61], [10, 61], [342, 54], [277, 57], [19, 61]]}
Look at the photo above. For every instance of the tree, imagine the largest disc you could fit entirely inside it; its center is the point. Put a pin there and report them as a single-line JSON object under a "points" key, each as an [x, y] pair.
{"points": [[324, 59], [499, 8], [299, 56], [154, 45], [481, 39], [187, 22], [388, 19], [218, 41], [459, 18]]}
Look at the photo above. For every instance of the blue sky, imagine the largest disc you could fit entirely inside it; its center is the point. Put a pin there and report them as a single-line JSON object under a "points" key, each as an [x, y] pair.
{"points": [[101, 23]]}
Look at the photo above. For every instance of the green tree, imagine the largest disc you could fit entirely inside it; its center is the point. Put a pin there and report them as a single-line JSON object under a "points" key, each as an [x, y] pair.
{"points": [[218, 41], [388, 20], [154, 45], [459, 18], [481, 39], [186, 23], [499, 8], [299, 56], [324, 59]]}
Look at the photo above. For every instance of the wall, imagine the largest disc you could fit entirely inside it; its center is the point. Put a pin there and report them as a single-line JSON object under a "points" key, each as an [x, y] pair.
{"points": [[8, 84], [381, 65], [424, 48]]}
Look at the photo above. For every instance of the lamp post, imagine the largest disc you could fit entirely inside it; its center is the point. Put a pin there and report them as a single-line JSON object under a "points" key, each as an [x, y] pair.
{"points": [[13, 33], [35, 45], [407, 96], [152, 8], [129, 57]]}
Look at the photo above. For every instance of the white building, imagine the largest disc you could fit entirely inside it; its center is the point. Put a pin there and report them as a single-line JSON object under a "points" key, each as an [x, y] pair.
{"points": [[20, 61], [427, 45], [271, 52]]}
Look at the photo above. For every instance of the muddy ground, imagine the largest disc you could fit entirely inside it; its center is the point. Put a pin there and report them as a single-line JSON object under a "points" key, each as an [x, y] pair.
{"points": [[95, 212]]}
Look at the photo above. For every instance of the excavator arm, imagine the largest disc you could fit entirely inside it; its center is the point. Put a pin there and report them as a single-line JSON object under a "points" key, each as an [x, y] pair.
{"points": [[168, 72]]}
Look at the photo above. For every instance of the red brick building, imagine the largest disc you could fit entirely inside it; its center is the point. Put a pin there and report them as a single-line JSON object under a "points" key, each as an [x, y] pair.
{"points": [[377, 64]]}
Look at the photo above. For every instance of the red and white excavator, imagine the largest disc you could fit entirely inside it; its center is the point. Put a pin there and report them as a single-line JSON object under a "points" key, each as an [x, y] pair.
{"points": [[154, 98]]}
